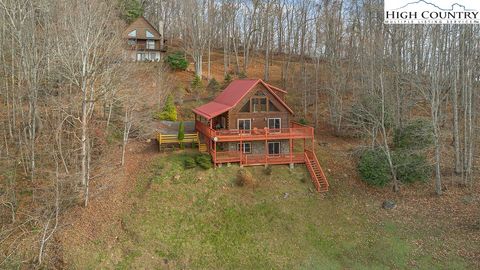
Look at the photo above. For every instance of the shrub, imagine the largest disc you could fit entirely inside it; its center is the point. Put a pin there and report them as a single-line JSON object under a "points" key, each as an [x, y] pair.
{"points": [[197, 87], [181, 134], [176, 61], [242, 75], [373, 168], [268, 170], [411, 167], [245, 178], [169, 111], [213, 85], [302, 121], [204, 161], [189, 162], [417, 135], [227, 79]]}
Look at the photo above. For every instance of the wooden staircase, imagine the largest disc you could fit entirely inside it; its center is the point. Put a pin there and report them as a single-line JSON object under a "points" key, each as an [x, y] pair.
{"points": [[202, 147], [316, 172]]}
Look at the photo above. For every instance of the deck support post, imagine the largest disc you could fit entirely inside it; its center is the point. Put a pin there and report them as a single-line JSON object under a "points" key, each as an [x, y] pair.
{"points": [[241, 152], [266, 150], [291, 150], [215, 152], [292, 166]]}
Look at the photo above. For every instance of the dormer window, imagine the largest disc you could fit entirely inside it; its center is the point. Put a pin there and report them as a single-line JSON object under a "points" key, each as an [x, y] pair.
{"points": [[133, 33], [148, 34]]}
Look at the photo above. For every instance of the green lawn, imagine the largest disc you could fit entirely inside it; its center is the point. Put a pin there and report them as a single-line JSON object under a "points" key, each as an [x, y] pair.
{"points": [[197, 219]]}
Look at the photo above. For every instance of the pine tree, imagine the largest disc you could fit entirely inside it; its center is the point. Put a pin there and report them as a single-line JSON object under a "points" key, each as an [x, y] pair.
{"points": [[181, 134]]}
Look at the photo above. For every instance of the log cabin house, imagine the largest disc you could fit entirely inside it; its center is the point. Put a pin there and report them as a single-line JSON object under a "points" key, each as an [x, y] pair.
{"points": [[143, 41], [251, 124]]}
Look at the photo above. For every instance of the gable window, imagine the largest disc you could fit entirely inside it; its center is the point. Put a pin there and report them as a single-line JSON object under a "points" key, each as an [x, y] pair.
{"points": [[133, 33], [244, 124], [272, 107], [273, 148], [274, 123], [246, 107], [150, 44], [259, 104], [148, 34], [247, 147]]}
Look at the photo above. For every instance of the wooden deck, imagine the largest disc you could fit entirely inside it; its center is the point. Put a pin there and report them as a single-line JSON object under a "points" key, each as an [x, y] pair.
{"points": [[257, 159], [295, 131]]}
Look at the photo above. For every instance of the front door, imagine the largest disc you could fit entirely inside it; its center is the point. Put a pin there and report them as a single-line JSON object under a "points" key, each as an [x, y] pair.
{"points": [[273, 148]]}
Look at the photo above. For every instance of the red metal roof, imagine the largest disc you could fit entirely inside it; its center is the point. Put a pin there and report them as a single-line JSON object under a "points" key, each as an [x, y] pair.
{"points": [[231, 96]]}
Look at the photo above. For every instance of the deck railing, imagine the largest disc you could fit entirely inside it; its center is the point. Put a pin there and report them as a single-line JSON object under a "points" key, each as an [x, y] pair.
{"points": [[295, 130], [254, 159]]}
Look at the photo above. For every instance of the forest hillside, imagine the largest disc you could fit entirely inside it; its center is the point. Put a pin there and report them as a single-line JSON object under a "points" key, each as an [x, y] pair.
{"points": [[394, 107]]}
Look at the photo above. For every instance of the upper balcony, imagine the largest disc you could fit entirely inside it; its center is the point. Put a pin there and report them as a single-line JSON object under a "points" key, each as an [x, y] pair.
{"points": [[295, 131], [145, 47]]}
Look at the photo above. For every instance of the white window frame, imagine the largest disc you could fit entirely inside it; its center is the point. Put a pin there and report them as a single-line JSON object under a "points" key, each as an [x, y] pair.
{"points": [[279, 148], [149, 44], [140, 56], [243, 149], [244, 119], [274, 118], [254, 105]]}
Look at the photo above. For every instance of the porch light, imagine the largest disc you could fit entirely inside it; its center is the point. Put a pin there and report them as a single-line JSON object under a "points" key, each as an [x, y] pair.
{"points": [[215, 139]]}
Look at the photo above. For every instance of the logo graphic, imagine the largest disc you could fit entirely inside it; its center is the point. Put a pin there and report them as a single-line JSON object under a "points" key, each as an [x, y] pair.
{"points": [[427, 12]]}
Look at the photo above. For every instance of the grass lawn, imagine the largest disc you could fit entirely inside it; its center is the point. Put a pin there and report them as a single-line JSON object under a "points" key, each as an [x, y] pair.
{"points": [[199, 219]]}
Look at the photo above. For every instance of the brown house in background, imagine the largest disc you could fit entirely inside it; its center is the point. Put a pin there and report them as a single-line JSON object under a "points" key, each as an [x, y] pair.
{"points": [[144, 41]]}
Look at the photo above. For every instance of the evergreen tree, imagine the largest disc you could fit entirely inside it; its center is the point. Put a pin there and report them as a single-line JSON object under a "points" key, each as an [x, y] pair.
{"points": [[132, 9], [181, 134], [169, 111]]}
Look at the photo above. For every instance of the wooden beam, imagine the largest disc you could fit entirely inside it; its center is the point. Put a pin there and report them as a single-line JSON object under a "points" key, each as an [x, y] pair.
{"points": [[291, 150]]}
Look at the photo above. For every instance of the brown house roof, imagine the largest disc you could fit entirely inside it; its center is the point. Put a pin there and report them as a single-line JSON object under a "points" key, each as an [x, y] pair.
{"points": [[232, 95], [142, 25]]}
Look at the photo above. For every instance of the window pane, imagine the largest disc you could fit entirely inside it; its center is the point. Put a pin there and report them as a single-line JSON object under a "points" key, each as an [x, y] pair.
{"points": [[246, 107], [259, 104], [272, 107], [244, 124]]}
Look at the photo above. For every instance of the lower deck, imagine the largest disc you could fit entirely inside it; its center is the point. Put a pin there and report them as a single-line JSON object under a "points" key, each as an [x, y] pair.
{"points": [[258, 159]]}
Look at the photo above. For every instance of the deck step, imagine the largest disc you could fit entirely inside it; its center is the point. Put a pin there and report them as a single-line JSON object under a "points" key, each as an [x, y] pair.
{"points": [[316, 172], [202, 147]]}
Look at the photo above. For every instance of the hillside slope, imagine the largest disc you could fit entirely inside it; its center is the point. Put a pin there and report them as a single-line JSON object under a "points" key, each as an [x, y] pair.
{"points": [[122, 226]]}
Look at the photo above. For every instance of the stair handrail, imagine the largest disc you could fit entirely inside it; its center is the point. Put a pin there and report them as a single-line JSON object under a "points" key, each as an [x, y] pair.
{"points": [[310, 170], [321, 169]]}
